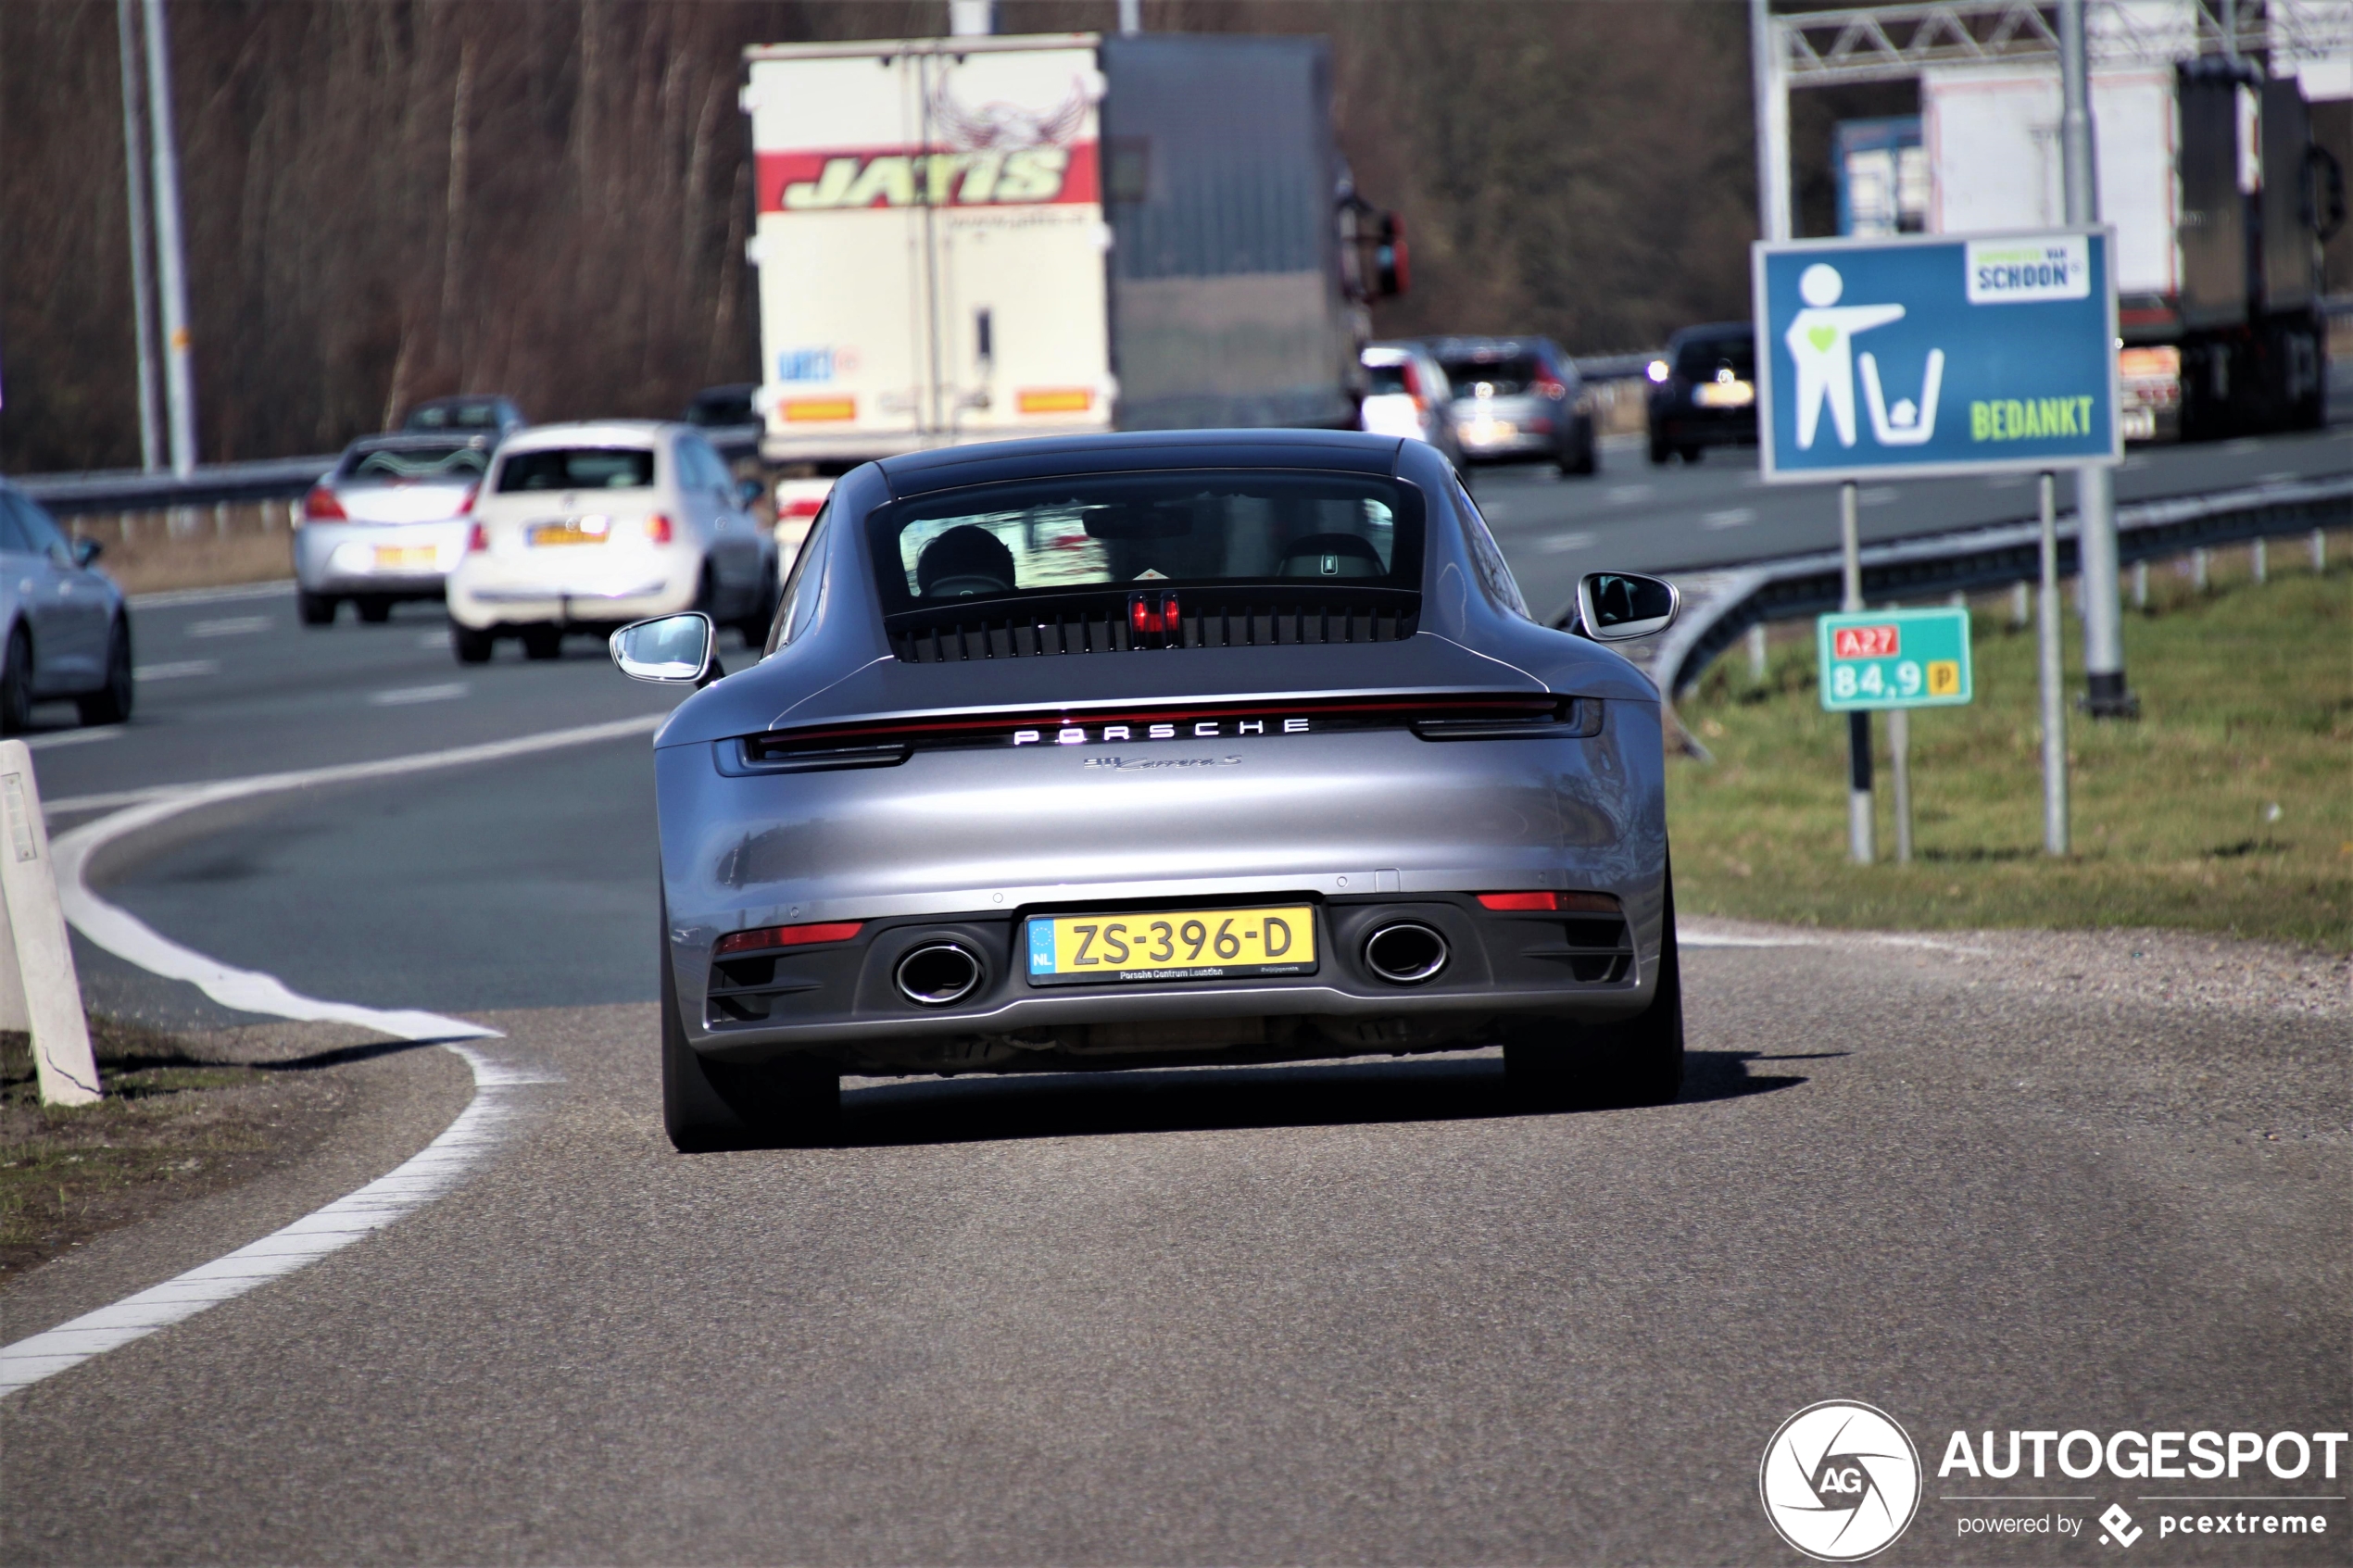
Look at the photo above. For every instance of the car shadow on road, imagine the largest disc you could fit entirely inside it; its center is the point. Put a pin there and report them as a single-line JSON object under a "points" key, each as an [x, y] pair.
{"points": [[1048, 1105]]}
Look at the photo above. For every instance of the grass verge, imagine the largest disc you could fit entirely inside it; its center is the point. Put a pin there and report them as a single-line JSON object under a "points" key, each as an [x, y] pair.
{"points": [[169, 1125], [2227, 806]]}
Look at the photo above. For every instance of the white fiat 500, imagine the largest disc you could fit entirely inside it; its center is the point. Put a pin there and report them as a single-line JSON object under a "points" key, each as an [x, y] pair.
{"points": [[587, 527]]}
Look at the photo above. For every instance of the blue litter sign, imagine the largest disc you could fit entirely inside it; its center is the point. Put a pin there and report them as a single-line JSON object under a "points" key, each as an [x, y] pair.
{"points": [[1935, 354]]}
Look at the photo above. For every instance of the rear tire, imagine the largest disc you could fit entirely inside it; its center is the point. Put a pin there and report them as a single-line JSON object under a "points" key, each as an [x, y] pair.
{"points": [[1608, 1066], [110, 704], [473, 646], [316, 609], [543, 642], [16, 685], [710, 1106], [1694, 456], [1660, 453], [374, 609]]}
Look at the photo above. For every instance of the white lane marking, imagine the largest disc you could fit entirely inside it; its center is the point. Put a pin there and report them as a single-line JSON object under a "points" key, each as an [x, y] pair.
{"points": [[1691, 936], [432, 1172], [1620, 494], [231, 626], [73, 737], [2244, 443], [1685, 938], [212, 596], [1730, 517], [435, 639], [404, 695], [179, 669], [490, 752], [1561, 542], [73, 804], [1877, 495]]}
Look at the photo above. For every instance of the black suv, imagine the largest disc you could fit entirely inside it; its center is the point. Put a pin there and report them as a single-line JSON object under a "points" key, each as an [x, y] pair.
{"points": [[1702, 393]]}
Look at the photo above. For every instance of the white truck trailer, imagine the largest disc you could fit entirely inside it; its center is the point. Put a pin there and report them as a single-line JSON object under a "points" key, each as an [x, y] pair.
{"points": [[965, 239], [2220, 202]]}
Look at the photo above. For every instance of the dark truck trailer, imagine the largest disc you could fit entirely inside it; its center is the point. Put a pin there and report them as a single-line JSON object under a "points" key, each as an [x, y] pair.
{"points": [[2247, 324]]}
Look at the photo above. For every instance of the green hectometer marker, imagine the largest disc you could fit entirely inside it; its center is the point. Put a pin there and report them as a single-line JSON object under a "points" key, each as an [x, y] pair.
{"points": [[1895, 659]]}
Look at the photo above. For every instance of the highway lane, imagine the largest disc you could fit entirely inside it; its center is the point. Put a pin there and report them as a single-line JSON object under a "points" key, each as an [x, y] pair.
{"points": [[1634, 517], [1362, 1313], [1357, 1311], [231, 685]]}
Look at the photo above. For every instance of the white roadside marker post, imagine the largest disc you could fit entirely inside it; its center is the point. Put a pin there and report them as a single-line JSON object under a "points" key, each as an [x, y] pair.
{"points": [[2053, 686], [39, 990]]}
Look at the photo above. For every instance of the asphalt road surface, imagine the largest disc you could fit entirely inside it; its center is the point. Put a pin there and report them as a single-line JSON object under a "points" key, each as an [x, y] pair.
{"points": [[1363, 1312]]}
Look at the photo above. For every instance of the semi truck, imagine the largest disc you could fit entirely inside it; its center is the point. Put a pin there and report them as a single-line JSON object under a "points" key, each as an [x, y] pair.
{"points": [[2222, 202], [971, 238]]}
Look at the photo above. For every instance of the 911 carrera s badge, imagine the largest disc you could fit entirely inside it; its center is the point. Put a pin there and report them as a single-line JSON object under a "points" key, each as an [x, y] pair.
{"points": [[1138, 764]]}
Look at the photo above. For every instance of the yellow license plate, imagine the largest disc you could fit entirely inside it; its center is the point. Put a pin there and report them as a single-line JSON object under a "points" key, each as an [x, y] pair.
{"points": [[565, 534], [404, 557], [1725, 394], [1172, 945]]}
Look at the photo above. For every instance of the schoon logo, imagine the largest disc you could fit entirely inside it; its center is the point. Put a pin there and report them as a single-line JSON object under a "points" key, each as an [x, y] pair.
{"points": [[1840, 1481]]}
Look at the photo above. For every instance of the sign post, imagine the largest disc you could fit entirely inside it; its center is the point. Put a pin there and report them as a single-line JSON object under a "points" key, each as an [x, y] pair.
{"points": [[1928, 355], [1896, 659]]}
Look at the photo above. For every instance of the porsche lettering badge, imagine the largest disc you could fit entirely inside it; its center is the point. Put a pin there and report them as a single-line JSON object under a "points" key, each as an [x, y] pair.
{"points": [[1200, 729]]}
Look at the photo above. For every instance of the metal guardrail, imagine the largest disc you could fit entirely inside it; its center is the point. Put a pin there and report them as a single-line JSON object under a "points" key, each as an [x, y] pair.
{"points": [[270, 479], [1616, 367], [1723, 605], [129, 490]]}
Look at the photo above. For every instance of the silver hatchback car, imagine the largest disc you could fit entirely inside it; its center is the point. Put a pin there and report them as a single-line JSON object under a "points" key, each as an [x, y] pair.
{"points": [[387, 523], [1518, 399], [1203, 747]]}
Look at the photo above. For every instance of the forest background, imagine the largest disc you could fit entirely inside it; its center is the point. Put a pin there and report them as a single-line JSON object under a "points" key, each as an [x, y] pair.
{"points": [[390, 199]]}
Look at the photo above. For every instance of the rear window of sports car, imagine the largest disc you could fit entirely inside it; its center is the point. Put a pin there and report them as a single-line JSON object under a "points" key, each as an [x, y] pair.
{"points": [[1170, 530]]}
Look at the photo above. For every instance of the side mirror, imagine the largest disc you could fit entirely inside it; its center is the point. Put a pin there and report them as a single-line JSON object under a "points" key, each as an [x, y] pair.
{"points": [[748, 491], [673, 650], [85, 551], [1615, 606]]}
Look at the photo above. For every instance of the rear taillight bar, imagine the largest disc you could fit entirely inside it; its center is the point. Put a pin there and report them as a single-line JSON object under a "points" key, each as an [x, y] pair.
{"points": [[1514, 715]]}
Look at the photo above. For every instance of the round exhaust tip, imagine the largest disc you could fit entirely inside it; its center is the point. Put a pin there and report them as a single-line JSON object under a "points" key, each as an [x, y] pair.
{"points": [[1405, 954], [936, 974]]}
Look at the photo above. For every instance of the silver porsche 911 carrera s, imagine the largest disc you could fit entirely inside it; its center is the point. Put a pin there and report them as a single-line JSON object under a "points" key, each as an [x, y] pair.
{"points": [[1211, 746]]}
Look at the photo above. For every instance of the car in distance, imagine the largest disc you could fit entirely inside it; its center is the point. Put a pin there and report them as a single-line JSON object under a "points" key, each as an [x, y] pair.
{"points": [[386, 523], [1114, 750], [1703, 392], [1518, 399], [586, 527], [724, 408], [1409, 396], [488, 412], [65, 630]]}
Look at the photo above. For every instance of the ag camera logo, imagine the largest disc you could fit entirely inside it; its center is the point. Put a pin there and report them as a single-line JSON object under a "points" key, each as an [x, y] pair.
{"points": [[1840, 1481]]}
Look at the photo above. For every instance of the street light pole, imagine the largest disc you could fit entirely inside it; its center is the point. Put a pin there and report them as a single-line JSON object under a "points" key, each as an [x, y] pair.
{"points": [[1771, 90], [179, 381], [2107, 696], [143, 289]]}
